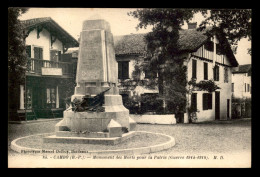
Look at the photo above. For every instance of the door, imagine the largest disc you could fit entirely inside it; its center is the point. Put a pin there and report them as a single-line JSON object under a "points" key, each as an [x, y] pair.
{"points": [[38, 100], [217, 105], [228, 108]]}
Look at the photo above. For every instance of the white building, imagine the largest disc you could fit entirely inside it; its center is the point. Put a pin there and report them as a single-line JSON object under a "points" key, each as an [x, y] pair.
{"points": [[241, 81], [48, 68], [205, 59]]}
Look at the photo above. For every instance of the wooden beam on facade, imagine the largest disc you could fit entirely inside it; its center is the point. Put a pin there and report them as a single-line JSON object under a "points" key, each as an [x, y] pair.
{"points": [[39, 29]]}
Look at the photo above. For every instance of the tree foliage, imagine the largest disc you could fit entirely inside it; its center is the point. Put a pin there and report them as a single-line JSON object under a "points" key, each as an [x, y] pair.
{"points": [[209, 85], [235, 23], [16, 55], [16, 44], [162, 43], [162, 48]]}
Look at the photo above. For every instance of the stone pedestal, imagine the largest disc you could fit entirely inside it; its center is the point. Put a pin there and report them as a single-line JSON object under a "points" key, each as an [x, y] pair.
{"points": [[97, 71]]}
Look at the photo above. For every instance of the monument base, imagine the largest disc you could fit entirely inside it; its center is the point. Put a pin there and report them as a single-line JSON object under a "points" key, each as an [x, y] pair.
{"points": [[80, 139], [113, 122]]}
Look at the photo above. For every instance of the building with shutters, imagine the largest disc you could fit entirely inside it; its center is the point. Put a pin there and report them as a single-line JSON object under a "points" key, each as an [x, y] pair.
{"points": [[241, 81], [49, 70], [241, 91], [205, 58]]}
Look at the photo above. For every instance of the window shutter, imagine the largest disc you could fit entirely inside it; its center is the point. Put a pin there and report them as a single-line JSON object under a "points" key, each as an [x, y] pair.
{"points": [[28, 51], [40, 53], [216, 73], [36, 52], [209, 101], [194, 69], [226, 75], [205, 101], [194, 101], [125, 70], [59, 55], [119, 70], [205, 71]]}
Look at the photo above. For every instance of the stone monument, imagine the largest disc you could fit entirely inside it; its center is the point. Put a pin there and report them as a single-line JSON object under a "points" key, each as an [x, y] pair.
{"points": [[97, 72]]}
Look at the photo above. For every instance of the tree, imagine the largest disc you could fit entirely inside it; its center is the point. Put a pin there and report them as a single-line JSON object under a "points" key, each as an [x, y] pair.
{"points": [[16, 55], [235, 23], [162, 49]]}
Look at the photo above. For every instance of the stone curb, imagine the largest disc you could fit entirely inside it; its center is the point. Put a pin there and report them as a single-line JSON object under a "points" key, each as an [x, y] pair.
{"points": [[33, 121], [136, 151], [19, 149]]}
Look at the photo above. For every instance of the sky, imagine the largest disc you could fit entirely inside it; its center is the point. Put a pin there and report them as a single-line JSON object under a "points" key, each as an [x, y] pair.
{"points": [[71, 19]]}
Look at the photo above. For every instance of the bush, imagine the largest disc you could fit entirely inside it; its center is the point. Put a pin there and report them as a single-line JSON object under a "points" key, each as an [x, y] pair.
{"points": [[147, 103], [241, 108]]}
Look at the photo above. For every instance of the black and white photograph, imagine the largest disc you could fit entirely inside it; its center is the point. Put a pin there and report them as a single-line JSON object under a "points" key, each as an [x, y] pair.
{"points": [[129, 87]]}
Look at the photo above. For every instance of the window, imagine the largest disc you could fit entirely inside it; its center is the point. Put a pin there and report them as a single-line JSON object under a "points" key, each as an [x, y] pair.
{"points": [[38, 53], [219, 50], [150, 74], [51, 97], [123, 70], [28, 51], [216, 73], [55, 55], [209, 45], [232, 87], [207, 101], [245, 87], [228, 107], [28, 98], [248, 88], [205, 71], [194, 68], [194, 101], [226, 75]]}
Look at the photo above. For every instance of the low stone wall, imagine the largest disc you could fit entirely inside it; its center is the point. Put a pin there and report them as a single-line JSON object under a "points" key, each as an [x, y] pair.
{"points": [[154, 119]]}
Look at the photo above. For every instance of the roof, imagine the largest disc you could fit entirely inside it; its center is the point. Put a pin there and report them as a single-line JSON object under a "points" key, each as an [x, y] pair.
{"points": [[243, 69], [189, 41], [129, 44], [53, 28]]}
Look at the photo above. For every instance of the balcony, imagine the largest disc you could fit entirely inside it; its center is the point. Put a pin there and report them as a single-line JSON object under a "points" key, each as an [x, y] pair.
{"points": [[41, 67]]}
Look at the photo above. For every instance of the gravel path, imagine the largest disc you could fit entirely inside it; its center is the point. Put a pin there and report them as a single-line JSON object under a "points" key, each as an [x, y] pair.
{"points": [[214, 137]]}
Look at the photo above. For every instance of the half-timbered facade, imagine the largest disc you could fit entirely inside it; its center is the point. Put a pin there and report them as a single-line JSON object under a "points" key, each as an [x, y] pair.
{"points": [[209, 63], [49, 69], [206, 58]]}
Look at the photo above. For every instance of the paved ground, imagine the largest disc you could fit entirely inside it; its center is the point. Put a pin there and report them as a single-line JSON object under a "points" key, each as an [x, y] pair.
{"points": [[214, 137], [218, 137], [230, 139]]}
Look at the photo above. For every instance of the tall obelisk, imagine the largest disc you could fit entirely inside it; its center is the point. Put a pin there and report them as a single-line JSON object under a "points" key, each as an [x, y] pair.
{"points": [[96, 72]]}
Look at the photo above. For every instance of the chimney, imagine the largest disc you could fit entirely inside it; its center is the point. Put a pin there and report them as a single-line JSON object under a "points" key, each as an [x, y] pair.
{"points": [[192, 25]]}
